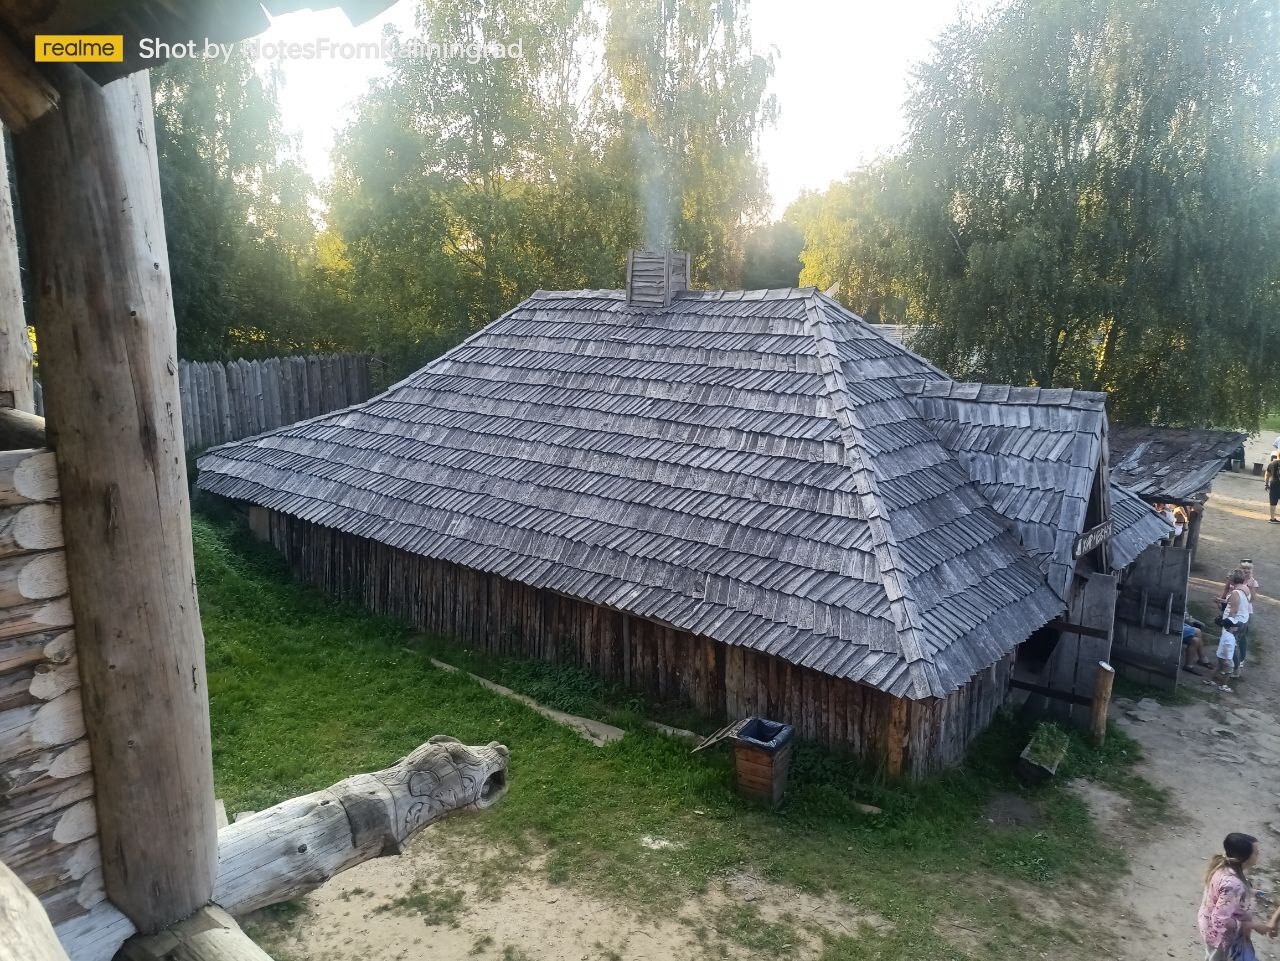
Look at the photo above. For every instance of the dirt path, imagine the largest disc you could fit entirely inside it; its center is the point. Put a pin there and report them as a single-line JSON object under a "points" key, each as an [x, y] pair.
{"points": [[1219, 755]]}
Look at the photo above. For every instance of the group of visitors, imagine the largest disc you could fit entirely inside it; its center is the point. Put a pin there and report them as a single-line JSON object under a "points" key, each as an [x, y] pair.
{"points": [[1235, 604]]}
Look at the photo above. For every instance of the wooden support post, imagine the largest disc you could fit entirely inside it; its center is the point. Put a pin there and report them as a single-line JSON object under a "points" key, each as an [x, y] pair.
{"points": [[1102, 682], [17, 389], [1193, 529], [90, 191]]}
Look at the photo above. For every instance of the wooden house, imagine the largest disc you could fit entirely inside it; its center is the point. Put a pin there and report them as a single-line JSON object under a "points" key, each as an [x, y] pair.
{"points": [[750, 501], [1162, 465]]}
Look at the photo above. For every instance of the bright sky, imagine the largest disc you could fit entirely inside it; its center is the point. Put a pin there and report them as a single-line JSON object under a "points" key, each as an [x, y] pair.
{"points": [[842, 69]]}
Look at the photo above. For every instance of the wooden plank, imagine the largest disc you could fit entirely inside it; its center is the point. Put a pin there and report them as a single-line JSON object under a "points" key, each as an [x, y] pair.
{"points": [[25, 94]]}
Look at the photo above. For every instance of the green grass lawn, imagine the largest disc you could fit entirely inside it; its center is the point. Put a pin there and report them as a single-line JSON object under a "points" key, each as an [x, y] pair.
{"points": [[305, 691]]}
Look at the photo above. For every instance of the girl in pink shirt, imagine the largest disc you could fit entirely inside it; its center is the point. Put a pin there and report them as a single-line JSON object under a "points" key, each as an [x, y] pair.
{"points": [[1225, 921]]}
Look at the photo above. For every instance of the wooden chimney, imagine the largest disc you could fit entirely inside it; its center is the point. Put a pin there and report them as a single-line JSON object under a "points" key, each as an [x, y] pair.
{"points": [[654, 277]]}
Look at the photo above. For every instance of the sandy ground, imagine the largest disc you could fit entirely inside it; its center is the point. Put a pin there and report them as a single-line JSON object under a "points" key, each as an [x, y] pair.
{"points": [[1218, 755], [511, 913]]}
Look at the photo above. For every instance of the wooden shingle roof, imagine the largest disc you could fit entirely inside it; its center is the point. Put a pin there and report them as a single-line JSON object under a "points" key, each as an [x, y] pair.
{"points": [[1138, 526], [1170, 463], [757, 467]]}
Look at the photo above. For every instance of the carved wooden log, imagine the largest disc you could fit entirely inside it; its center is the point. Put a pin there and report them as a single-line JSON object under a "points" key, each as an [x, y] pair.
{"points": [[294, 847], [28, 935]]}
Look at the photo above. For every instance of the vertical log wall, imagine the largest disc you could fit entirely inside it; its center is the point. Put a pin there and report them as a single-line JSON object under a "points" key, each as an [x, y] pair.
{"points": [[504, 617]]}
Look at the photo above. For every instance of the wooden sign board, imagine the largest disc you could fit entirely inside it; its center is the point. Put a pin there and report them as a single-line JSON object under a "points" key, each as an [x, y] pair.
{"points": [[1093, 539]]}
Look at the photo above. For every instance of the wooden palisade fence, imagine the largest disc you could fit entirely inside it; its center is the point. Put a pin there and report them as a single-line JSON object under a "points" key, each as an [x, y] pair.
{"points": [[222, 402]]}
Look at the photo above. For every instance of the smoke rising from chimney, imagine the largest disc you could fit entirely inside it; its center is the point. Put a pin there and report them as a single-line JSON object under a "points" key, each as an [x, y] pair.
{"points": [[655, 190]]}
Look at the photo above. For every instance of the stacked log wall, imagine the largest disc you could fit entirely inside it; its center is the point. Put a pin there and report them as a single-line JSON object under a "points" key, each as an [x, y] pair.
{"points": [[48, 824], [500, 616]]}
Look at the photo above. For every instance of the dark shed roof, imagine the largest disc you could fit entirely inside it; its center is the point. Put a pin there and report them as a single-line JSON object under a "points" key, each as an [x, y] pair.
{"points": [[758, 467], [1138, 526], [1169, 463]]}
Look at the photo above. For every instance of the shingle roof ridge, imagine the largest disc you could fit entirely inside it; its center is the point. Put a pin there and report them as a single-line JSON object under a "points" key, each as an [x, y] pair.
{"points": [[907, 618], [1074, 398], [836, 305]]}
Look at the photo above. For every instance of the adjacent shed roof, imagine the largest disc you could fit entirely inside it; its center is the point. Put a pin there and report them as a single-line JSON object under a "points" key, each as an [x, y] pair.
{"points": [[1169, 463], [761, 468], [1137, 527]]}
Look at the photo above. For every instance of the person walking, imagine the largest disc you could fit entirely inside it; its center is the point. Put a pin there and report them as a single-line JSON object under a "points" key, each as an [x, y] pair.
{"points": [[1225, 920], [1271, 481]]}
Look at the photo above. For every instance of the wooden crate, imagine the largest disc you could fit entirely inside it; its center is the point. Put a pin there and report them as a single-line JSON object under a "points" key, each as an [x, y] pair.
{"points": [[759, 774]]}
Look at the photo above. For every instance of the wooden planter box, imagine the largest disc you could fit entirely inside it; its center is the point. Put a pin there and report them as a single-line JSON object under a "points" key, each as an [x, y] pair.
{"points": [[761, 759]]}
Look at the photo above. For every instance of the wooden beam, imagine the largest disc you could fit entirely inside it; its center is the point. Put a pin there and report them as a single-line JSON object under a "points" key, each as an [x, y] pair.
{"points": [[208, 935], [17, 389], [20, 429], [1066, 628], [25, 95], [287, 850], [28, 935], [1051, 693], [90, 192]]}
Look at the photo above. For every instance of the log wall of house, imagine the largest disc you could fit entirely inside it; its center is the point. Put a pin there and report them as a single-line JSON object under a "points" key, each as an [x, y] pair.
{"points": [[501, 616], [48, 825]]}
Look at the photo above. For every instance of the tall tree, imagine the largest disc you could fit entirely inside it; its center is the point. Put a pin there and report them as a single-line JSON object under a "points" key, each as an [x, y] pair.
{"points": [[1090, 196], [690, 98], [237, 212], [465, 183]]}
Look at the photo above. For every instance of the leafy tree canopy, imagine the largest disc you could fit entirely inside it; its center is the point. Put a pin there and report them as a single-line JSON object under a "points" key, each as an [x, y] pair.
{"points": [[237, 213], [462, 185], [1088, 195]]}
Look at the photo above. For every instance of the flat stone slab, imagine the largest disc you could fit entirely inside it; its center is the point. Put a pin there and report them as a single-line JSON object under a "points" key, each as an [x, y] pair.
{"points": [[597, 732]]}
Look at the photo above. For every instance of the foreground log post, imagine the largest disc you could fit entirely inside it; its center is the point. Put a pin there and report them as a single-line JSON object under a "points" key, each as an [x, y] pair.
{"points": [[17, 388], [1102, 684], [294, 847], [90, 193], [208, 935], [25, 931]]}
